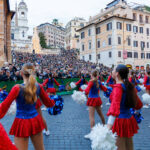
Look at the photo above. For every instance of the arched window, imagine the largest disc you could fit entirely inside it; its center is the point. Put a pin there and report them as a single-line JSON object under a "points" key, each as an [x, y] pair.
{"points": [[23, 34]]}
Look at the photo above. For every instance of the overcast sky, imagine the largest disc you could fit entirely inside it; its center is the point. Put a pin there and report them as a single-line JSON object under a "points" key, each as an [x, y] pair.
{"points": [[41, 11]]}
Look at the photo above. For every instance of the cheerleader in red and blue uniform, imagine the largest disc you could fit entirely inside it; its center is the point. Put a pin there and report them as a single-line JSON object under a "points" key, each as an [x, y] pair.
{"points": [[50, 84], [123, 97], [28, 123], [110, 81], [81, 82], [132, 78], [94, 101], [147, 85]]}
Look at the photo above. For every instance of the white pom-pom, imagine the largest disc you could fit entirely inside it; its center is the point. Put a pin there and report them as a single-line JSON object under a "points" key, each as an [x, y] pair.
{"points": [[141, 80], [142, 88], [12, 109], [83, 87], [102, 138], [146, 98], [79, 97], [73, 85]]}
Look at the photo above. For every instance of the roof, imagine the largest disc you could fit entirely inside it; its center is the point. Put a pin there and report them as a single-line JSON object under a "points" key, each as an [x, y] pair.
{"points": [[104, 21], [59, 27]]}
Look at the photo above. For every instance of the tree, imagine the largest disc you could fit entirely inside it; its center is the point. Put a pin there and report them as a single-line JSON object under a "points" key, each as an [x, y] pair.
{"points": [[42, 40]]}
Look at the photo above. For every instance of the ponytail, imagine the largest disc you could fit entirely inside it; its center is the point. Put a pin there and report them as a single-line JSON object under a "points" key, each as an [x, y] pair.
{"points": [[130, 94], [30, 87], [30, 90]]}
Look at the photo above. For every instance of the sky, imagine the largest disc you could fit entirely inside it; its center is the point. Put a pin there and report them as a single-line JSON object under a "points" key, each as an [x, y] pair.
{"points": [[41, 11]]}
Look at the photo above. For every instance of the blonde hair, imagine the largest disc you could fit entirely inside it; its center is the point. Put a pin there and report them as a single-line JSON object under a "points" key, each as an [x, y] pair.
{"points": [[95, 75], [30, 87]]}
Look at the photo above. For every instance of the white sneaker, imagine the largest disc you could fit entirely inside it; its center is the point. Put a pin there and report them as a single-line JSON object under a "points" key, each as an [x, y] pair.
{"points": [[44, 109], [107, 104], [44, 131], [47, 133], [145, 106], [87, 136]]}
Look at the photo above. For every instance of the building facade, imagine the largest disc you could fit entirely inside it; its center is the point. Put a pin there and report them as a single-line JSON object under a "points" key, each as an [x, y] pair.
{"points": [[54, 34], [5, 34], [119, 34], [19, 29], [72, 36]]}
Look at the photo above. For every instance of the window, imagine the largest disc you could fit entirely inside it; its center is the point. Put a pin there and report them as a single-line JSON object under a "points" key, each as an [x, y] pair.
{"points": [[134, 16], [128, 26], [119, 25], [12, 36], [141, 18], [82, 35], [135, 54], [89, 32], [90, 45], [98, 44], [142, 45], [98, 30], [81, 24], [135, 43], [141, 29], [119, 40], [142, 55], [109, 26], [90, 57], [135, 29], [119, 53], [109, 41], [83, 57], [129, 54], [148, 55], [110, 55], [147, 31], [147, 19], [147, 44], [129, 41], [22, 14], [99, 56], [23, 34], [82, 47]]}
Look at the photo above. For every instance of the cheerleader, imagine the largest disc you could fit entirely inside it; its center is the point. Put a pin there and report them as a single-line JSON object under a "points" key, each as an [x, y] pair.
{"points": [[50, 84], [81, 82], [147, 85], [110, 81], [122, 99], [94, 101], [28, 123], [132, 78]]}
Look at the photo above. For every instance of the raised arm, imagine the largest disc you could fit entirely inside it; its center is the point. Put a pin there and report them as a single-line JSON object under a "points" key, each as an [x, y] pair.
{"points": [[45, 82], [56, 83], [4, 106], [78, 82], [45, 99]]}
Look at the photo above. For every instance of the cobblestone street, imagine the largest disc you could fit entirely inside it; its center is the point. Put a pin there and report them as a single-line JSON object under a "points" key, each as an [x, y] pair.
{"points": [[68, 129]]}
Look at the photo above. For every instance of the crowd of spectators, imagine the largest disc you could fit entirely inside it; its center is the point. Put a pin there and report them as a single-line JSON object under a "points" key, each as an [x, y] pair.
{"points": [[65, 65]]}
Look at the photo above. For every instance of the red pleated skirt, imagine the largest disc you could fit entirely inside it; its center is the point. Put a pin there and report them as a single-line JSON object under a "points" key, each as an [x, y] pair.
{"points": [[125, 127], [5, 142], [51, 90], [27, 127], [94, 102]]}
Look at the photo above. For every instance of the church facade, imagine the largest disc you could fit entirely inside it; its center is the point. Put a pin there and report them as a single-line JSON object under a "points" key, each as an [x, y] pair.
{"points": [[20, 40]]}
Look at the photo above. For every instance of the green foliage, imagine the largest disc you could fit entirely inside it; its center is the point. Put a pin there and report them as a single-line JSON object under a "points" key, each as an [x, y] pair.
{"points": [[147, 8], [42, 40]]}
